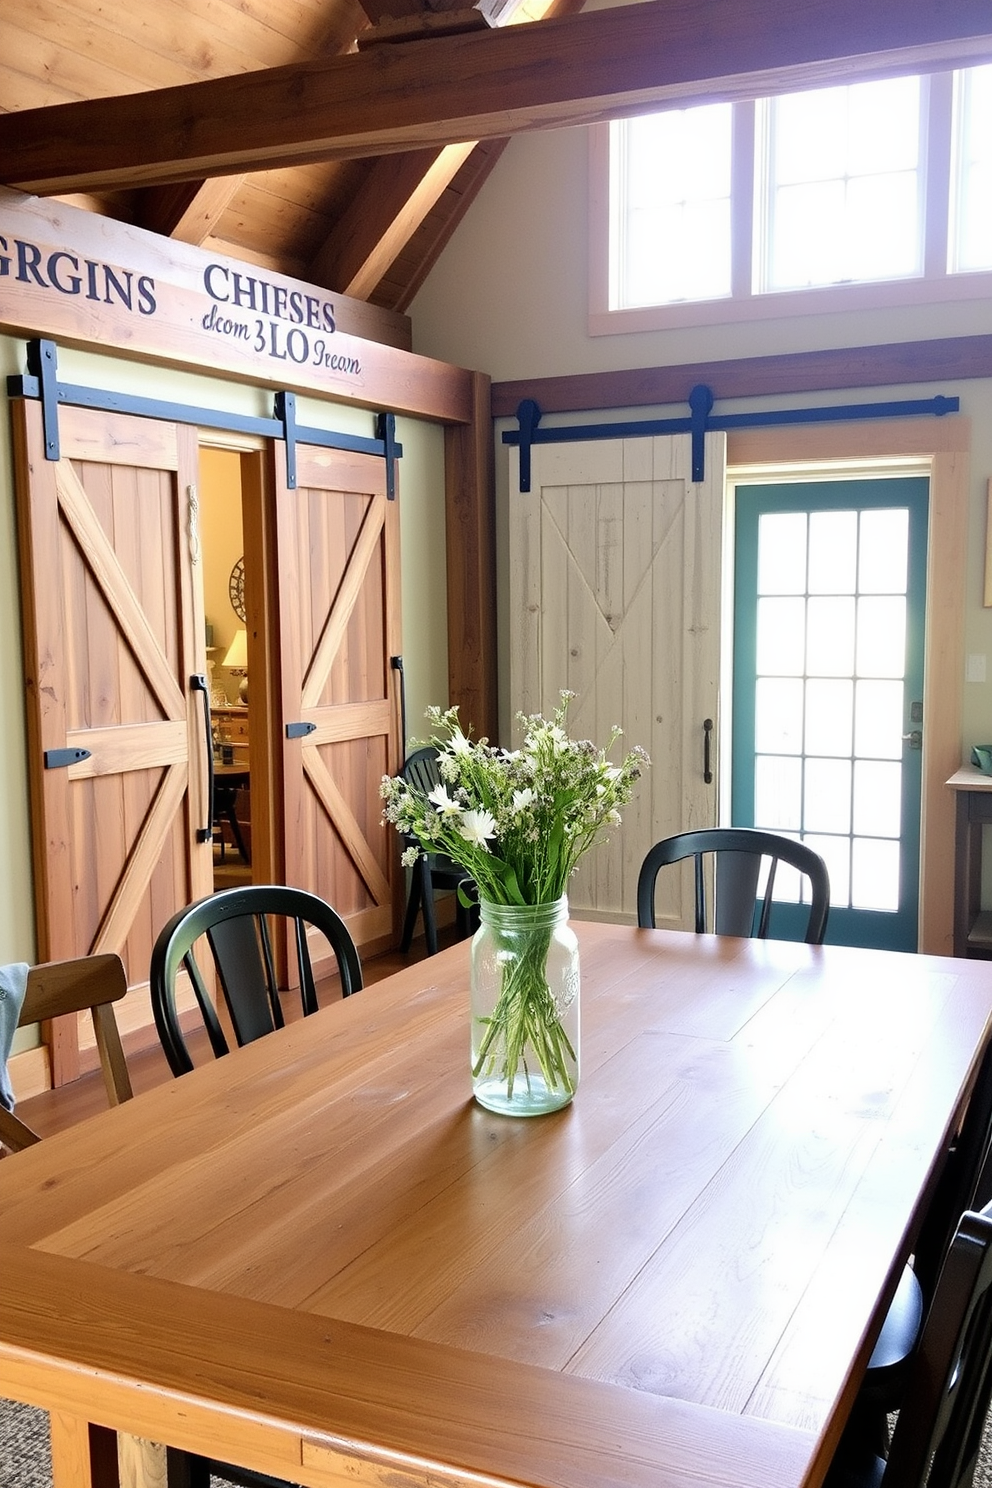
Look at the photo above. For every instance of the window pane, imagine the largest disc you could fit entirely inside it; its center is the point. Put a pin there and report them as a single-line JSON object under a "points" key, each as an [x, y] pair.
{"points": [[782, 553], [878, 720], [882, 637], [874, 874], [830, 637], [778, 792], [877, 798], [883, 557], [844, 185], [833, 552], [836, 853], [829, 710], [671, 193], [781, 639], [827, 804], [971, 230], [778, 716]]}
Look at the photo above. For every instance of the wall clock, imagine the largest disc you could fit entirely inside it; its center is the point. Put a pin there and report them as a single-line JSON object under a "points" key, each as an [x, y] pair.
{"points": [[236, 588]]}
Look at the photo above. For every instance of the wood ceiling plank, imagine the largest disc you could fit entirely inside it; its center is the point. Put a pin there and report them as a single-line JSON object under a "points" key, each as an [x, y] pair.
{"points": [[569, 70]]}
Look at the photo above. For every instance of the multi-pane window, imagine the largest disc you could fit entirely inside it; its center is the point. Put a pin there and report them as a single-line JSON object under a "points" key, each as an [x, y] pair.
{"points": [[836, 186], [829, 685], [843, 177]]}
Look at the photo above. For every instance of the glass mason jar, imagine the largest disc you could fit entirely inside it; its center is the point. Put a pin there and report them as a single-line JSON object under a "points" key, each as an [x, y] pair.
{"points": [[525, 1008]]}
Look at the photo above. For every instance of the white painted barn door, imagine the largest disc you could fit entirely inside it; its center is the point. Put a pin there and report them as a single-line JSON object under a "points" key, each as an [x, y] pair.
{"points": [[615, 582]]}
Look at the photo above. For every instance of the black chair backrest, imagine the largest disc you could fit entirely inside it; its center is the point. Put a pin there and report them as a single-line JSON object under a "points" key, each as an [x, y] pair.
{"points": [[942, 1416], [420, 769], [235, 924], [739, 853]]}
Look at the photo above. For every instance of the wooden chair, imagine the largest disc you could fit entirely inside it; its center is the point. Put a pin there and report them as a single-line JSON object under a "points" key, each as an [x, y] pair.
{"points": [[431, 871], [949, 1385], [234, 926], [739, 855], [57, 988]]}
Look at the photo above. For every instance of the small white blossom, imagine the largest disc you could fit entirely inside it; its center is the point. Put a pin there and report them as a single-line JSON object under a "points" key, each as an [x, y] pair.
{"points": [[410, 857], [522, 799], [476, 826], [458, 744], [446, 806]]}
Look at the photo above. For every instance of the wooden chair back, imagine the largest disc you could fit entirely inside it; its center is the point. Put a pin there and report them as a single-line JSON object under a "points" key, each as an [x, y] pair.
{"points": [[57, 988], [739, 854]]}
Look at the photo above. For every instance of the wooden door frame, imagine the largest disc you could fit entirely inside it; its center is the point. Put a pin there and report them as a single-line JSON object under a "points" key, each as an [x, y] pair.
{"points": [[945, 445]]}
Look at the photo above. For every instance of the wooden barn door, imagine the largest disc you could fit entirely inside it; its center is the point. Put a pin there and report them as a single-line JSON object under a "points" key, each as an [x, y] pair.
{"points": [[336, 563], [615, 560], [113, 632]]}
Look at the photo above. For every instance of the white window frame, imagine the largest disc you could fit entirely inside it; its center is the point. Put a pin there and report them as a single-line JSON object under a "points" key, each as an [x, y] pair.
{"points": [[935, 286]]}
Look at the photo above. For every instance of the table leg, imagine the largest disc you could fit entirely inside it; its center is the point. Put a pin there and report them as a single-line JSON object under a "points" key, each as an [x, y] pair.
{"points": [[83, 1455], [142, 1463]]}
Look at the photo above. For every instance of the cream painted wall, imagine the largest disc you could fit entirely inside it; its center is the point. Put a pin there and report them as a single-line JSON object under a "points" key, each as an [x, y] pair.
{"points": [[509, 295], [423, 578]]}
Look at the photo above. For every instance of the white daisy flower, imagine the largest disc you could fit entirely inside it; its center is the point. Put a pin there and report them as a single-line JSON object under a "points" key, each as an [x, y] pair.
{"points": [[476, 826]]}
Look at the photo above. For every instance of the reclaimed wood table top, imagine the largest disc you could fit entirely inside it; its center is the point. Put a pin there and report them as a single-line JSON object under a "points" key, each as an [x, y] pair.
{"points": [[319, 1258]]}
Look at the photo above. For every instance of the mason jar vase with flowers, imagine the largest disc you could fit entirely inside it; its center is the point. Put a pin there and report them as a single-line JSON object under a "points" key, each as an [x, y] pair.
{"points": [[518, 821]]}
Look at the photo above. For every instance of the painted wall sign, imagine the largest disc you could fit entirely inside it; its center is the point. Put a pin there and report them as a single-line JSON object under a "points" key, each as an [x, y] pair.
{"points": [[89, 281]]}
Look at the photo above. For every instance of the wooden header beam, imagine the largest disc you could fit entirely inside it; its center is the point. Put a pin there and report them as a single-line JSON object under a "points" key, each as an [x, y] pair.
{"points": [[434, 92]]}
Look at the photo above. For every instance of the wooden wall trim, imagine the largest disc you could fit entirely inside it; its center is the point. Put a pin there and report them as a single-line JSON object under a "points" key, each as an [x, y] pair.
{"points": [[470, 535], [753, 377]]}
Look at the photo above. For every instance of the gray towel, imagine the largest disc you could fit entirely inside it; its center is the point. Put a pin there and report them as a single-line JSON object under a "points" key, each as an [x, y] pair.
{"points": [[13, 984]]}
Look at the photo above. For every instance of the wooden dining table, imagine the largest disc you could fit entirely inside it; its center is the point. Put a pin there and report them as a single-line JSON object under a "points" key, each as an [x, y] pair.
{"points": [[318, 1258]]}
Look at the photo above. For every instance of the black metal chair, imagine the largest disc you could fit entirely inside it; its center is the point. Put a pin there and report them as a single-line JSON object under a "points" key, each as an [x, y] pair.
{"points": [[949, 1382], [234, 924], [432, 871], [739, 854]]}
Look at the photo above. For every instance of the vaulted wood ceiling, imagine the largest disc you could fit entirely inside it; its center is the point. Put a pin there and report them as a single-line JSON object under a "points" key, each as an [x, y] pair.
{"points": [[341, 160]]}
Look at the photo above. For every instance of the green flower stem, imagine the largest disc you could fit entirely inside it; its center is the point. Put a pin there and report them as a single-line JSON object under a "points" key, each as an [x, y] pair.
{"points": [[526, 1012]]}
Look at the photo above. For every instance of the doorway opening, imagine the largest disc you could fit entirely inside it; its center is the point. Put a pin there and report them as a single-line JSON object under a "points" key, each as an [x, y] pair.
{"points": [[222, 541]]}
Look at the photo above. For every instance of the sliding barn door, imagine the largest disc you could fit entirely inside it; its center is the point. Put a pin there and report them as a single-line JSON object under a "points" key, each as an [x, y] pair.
{"points": [[337, 566], [113, 632], [615, 595]]}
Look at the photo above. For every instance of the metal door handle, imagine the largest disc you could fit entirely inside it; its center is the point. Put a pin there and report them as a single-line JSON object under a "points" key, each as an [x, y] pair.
{"points": [[198, 683], [707, 735], [914, 740]]}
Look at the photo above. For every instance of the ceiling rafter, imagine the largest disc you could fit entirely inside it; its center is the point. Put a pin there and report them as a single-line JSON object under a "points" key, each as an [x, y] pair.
{"points": [[436, 92]]}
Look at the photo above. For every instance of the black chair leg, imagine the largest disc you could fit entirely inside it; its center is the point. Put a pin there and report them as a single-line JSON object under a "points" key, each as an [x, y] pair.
{"points": [[412, 909], [427, 901]]}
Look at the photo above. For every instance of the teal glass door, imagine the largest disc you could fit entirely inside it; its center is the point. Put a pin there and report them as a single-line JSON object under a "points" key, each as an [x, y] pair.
{"points": [[830, 585]]}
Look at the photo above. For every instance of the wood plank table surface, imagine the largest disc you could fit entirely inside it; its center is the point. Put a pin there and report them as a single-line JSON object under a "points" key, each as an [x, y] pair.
{"points": [[319, 1258]]}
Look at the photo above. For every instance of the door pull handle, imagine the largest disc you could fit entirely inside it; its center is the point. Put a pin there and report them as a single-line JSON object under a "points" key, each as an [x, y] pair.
{"points": [[707, 736]]}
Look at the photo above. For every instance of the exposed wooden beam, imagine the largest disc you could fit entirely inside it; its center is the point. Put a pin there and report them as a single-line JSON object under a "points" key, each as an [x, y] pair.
{"points": [[190, 210], [390, 205], [431, 93]]}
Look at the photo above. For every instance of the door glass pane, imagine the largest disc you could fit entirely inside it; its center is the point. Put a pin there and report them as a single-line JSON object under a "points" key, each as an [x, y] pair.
{"points": [[882, 637], [782, 553], [874, 874], [778, 792], [778, 715], [829, 713], [878, 720], [781, 636], [884, 553], [827, 797], [877, 798], [830, 637], [833, 552], [836, 853]]}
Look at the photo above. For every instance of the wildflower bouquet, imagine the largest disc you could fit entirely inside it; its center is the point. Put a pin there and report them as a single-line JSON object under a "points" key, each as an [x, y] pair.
{"points": [[518, 822]]}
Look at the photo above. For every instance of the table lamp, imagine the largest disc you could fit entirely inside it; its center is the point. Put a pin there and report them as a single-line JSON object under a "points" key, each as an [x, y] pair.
{"points": [[236, 661]]}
